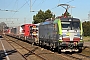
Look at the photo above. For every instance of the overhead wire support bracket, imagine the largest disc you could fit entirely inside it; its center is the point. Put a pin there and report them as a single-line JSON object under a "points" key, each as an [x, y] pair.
{"points": [[9, 10]]}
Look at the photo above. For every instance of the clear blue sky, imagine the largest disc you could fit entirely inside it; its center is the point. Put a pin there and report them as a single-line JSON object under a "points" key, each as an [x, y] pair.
{"points": [[81, 10]]}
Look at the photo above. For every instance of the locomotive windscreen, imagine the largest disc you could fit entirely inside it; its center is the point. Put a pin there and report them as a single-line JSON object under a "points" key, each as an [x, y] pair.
{"points": [[75, 25], [66, 25], [70, 24]]}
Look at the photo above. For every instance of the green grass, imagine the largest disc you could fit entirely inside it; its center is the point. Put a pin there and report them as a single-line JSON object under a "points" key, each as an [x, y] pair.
{"points": [[86, 51], [86, 38]]}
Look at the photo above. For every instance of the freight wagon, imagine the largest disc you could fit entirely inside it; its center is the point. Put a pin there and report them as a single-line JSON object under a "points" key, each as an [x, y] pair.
{"points": [[15, 32], [26, 32], [30, 32]]}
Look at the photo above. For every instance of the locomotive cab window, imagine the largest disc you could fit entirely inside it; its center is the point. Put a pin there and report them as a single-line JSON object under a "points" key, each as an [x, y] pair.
{"points": [[65, 25], [75, 25], [70, 24]]}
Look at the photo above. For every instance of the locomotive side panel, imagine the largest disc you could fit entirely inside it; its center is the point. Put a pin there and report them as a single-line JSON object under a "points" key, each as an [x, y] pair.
{"points": [[48, 35]]}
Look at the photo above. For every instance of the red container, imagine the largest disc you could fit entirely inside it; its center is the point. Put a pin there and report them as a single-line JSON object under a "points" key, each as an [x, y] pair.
{"points": [[26, 29]]}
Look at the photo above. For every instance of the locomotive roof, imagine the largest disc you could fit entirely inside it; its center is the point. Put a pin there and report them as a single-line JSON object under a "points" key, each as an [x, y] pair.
{"points": [[69, 19], [62, 19], [46, 22]]}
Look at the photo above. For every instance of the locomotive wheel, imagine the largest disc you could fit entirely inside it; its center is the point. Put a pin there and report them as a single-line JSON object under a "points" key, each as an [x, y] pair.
{"points": [[40, 43], [80, 50], [59, 50], [51, 46]]}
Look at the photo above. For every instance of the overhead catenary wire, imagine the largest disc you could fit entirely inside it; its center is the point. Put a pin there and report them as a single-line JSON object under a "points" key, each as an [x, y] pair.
{"points": [[36, 6], [9, 10], [23, 5], [16, 3], [30, 2], [9, 4], [20, 7], [55, 6], [33, 3], [59, 2], [70, 1], [27, 3], [41, 3]]}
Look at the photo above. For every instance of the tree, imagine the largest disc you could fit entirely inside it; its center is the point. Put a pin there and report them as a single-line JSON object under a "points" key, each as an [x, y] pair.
{"points": [[48, 14], [41, 16], [86, 28]]}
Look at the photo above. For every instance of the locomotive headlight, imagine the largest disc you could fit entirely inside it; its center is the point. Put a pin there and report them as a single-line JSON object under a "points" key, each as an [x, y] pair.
{"points": [[60, 38], [81, 38]]}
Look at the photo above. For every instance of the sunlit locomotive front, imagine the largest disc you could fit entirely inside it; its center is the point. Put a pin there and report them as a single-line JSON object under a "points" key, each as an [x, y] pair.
{"points": [[70, 35]]}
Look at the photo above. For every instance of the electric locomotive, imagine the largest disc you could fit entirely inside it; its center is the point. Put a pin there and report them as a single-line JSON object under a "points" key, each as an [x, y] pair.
{"points": [[70, 36], [62, 33]]}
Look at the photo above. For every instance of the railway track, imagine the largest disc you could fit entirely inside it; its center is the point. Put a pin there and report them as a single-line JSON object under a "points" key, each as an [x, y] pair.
{"points": [[42, 55], [77, 56], [29, 51]]}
